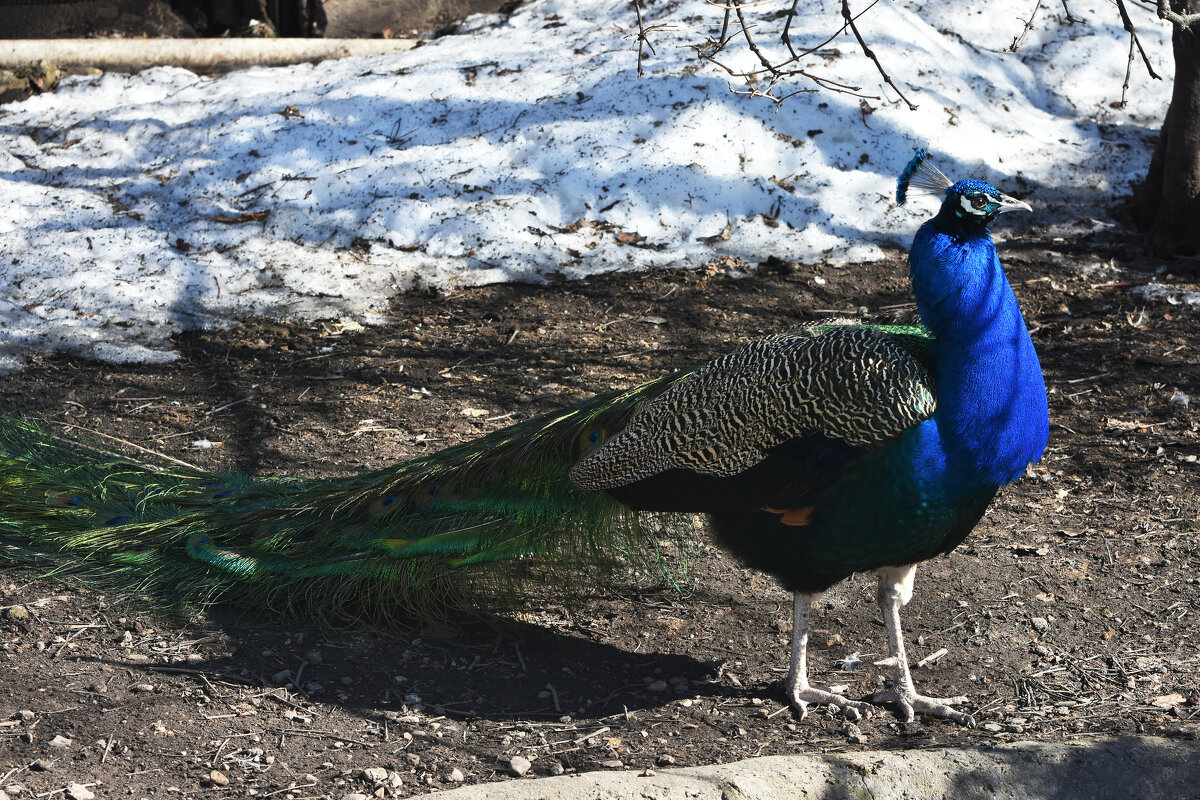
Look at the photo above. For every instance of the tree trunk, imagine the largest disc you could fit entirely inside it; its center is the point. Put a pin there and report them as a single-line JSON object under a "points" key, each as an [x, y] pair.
{"points": [[1166, 205]]}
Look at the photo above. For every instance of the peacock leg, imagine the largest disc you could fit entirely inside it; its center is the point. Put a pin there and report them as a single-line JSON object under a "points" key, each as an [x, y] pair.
{"points": [[895, 590], [799, 692]]}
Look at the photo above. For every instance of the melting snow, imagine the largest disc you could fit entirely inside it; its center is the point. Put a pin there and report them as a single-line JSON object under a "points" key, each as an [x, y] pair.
{"points": [[135, 206]]}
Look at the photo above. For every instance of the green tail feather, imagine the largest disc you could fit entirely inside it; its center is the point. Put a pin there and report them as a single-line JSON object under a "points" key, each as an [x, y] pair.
{"points": [[460, 524]]}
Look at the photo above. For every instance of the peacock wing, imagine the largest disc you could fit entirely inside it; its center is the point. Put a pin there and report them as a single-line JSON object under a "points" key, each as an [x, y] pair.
{"points": [[858, 384]]}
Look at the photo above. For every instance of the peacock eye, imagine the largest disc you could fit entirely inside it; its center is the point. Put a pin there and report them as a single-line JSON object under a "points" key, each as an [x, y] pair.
{"points": [[594, 437], [978, 201]]}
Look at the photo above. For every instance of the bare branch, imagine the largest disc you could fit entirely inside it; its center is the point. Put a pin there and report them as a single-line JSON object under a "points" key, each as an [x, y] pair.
{"points": [[1178, 20], [777, 72], [787, 28], [736, 6], [816, 47], [643, 35], [867, 50], [1128, 72], [1012, 48], [1134, 41], [1071, 20]]}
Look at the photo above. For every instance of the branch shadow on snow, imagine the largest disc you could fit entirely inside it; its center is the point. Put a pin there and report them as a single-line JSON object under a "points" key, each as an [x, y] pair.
{"points": [[296, 188]]}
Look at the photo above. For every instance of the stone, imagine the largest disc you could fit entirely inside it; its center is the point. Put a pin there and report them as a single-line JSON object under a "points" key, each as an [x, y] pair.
{"points": [[77, 791], [375, 774], [519, 765], [218, 778], [456, 776]]}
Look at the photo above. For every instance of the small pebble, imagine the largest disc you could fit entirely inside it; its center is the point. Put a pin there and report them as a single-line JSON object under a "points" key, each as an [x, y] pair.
{"points": [[648, 773], [557, 768], [665, 760], [310, 778], [519, 765], [456, 776], [1040, 623], [1180, 399], [4, 795], [142, 687], [77, 791], [612, 763], [217, 778], [375, 774], [315, 658], [851, 713], [853, 733], [61, 742], [42, 765], [991, 727], [657, 686], [17, 613], [25, 714]]}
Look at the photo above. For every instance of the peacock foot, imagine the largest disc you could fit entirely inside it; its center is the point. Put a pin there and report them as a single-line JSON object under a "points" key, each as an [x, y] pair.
{"points": [[910, 704], [820, 697]]}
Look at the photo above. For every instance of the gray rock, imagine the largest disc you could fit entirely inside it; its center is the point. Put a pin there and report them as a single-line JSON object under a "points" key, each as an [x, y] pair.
{"points": [[1166, 769], [77, 791], [375, 774]]}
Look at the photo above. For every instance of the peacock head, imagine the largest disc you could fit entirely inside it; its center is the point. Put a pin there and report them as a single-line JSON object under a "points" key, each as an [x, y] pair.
{"points": [[969, 204]]}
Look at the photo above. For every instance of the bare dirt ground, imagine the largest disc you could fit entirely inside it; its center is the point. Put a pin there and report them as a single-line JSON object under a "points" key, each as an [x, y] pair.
{"points": [[1070, 612]]}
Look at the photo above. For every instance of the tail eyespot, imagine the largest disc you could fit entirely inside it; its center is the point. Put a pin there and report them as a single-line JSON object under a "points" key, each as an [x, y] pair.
{"points": [[593, 437]]}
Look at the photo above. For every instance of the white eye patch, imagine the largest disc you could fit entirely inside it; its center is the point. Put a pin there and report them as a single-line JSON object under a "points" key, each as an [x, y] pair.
{"points": [[966, 204]]}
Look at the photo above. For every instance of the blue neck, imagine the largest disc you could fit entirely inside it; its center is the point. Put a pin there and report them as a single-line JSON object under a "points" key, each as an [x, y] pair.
{"points": [[991, 413]]}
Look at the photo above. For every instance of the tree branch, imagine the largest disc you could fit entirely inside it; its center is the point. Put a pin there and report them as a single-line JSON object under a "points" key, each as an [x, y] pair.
{"points": [[1178, 20], [867, 50], [1012, 48], [1134, 41]]}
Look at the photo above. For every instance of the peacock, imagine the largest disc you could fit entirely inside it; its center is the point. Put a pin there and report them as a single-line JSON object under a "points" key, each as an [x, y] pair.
{"points": [[831, 450]]}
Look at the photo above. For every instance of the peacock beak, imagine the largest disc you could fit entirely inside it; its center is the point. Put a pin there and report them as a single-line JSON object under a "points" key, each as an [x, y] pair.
{"points": [[1013, 204]]}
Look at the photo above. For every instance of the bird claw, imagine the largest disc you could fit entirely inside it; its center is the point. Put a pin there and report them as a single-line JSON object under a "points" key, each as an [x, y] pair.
{"points": [[909, 704], [802, 697]]}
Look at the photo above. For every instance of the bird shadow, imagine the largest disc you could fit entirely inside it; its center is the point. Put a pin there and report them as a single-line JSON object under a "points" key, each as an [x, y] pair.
{"points": [[491, 668]]}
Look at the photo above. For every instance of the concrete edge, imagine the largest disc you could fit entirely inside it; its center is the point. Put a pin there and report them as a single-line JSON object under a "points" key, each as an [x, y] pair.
{"points": [[193, 54], [1145, 768]]}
